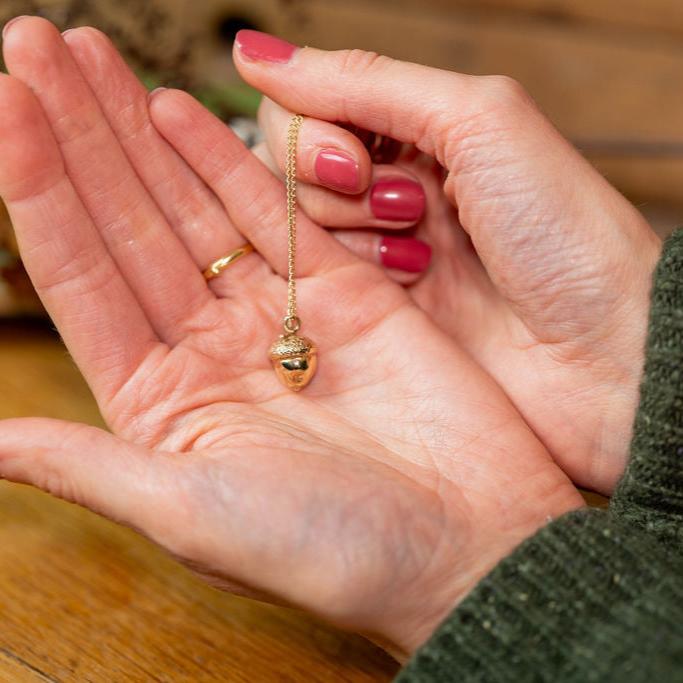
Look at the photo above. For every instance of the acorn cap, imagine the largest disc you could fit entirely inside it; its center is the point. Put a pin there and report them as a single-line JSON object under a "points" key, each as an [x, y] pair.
{"points": [[291, 345]]}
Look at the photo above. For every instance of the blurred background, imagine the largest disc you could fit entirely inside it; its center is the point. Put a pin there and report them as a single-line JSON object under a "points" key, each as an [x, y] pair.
{"points": [[609, 73]]}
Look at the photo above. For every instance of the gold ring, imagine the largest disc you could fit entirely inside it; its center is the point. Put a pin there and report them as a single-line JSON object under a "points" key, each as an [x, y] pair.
{"points": [[217, 267]]}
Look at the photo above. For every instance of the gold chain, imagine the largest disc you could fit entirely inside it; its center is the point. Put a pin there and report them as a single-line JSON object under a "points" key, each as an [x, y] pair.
{"points": [[294, 358], [291, 321]]}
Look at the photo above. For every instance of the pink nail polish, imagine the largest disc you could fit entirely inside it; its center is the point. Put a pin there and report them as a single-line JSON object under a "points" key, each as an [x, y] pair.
{"points": [[10, 22], [405, 253], [337, 170], [263, 46], [397, 199]]}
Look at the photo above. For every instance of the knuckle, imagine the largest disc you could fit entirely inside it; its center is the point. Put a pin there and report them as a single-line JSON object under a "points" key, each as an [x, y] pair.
{"points": [[506, 92], [77, 125], [133, 120], [356, 62]]}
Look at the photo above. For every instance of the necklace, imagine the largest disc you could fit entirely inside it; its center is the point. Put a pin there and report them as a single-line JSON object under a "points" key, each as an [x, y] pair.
{"points": [[294, 358]]}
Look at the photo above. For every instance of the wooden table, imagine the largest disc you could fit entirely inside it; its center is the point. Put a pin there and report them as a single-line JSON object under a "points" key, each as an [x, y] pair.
{"points": [[84, 600]]}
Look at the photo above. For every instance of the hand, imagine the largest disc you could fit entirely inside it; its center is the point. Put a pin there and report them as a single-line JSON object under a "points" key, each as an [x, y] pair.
{"points": [[554, 301], [375, 498]]}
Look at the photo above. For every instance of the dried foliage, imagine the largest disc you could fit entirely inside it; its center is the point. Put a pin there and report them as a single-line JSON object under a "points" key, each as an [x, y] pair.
{"points": [[148, 32]]}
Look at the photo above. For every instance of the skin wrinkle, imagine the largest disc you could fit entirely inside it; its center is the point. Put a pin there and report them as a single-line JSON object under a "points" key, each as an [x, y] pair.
{"points": [[221, 169], [192, 419], [353, 63], [439, 485], [465, 162], [431, 132], [168, 421], [119, 396], [133, 122], [124, 230], [45, 189], [360, 334], [290, 496], [72, 128], [205, 433], [355, 521], [457, 446], [76, 271], [271, 214], [190, 210], [111, 189]]}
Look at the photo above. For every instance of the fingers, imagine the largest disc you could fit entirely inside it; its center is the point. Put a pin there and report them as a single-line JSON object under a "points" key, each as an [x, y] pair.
{"points": [[394, 200], [510, 172], [327, 154], [155, 264], [192, 210], [405, 258], [90, 467], [403, 100], [74, 274], [253, 198]]}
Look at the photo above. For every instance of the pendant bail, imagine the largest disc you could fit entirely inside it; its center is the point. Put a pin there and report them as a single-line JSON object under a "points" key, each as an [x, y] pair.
{"points": [[291, 323]]}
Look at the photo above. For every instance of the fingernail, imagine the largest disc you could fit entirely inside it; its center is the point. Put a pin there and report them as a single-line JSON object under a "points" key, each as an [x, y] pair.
{"points": [[263, 46], [10, 22], [397, 199], [405, 253], [156, 91], [337, 170]]}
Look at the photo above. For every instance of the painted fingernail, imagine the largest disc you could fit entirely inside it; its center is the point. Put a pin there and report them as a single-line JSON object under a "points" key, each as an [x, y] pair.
{"points": [[397, 199], [12, 21], [263, 46], [405, 253], [337, 170]]}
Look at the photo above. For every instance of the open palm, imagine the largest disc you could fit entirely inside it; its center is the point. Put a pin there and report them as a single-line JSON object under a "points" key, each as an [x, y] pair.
{"points": [[377, 496]]}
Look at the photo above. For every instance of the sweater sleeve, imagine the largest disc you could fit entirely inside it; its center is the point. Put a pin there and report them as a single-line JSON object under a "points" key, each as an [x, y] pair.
{"points": [[650, 494], [596, 595]]}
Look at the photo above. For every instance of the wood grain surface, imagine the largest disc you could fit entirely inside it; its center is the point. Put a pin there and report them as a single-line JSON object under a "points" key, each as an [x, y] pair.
{"points": [[84, 600]]}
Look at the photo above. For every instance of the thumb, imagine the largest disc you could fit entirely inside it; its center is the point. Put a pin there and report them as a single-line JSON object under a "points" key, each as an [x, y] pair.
{"points": [[533, 206], [372, 91], [90, 467]]}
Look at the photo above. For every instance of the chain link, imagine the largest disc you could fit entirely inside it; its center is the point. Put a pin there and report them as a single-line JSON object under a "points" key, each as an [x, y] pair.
{"points": [[291, 322]]}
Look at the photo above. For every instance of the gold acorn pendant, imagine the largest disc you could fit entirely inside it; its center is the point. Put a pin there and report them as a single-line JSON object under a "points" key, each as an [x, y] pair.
{"points": [[294, 358]]}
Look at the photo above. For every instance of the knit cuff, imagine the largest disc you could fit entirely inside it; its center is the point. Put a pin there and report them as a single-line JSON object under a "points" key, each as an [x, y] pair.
{"points": [[650, 495], [585, 599]]}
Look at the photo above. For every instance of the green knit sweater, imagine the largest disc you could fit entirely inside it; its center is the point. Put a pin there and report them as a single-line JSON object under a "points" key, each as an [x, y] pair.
{"points": [[596, 595]]}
